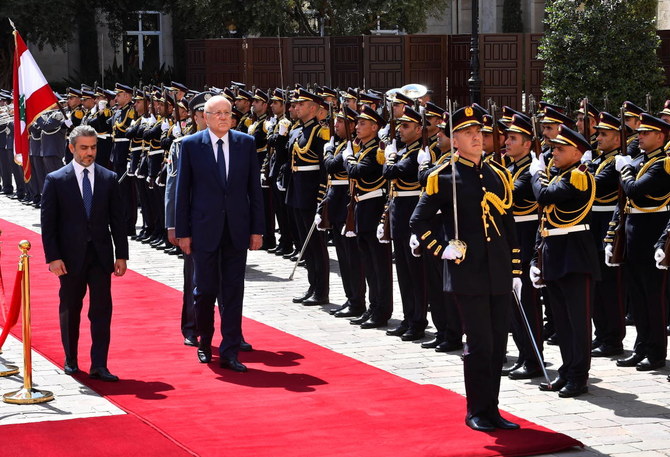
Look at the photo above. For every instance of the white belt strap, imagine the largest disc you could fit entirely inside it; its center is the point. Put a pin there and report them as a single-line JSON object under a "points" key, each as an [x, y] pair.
{"points": [[603, 208], [662, 209], [369, 195], [306, 168], [408, 193], [526, 218], [136, 148], [339, 182], [156, 152], [120, 140], [104, 136], [566, 230]]}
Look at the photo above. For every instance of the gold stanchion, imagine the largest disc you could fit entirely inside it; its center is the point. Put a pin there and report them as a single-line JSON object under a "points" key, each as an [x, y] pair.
{"points": [[27, 395]]}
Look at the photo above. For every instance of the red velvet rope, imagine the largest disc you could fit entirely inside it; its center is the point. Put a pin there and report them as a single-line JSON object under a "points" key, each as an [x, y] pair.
{"points": [[14, 308]]}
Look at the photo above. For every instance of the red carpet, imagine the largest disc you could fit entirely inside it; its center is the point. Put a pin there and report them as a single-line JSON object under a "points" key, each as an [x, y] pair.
{"points": [[298, 398]]}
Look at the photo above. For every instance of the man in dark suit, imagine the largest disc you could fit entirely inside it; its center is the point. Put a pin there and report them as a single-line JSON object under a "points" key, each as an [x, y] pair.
{"points": [[81, 205], [219, 214]]}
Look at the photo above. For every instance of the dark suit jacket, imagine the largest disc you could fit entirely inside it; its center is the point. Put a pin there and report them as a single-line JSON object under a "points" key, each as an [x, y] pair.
{"points": [[65, 228], [204, 206]]}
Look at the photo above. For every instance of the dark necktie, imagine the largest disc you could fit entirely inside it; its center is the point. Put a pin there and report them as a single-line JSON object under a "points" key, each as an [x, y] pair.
{"points": [[221, 162], [87, 193]]}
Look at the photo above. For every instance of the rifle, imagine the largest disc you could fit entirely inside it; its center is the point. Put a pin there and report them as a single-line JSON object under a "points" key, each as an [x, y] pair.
{"points": [[648, 102], [619, 243], [537, 149], [325, 206], [606, 103], [496, 134], [350, 222], [587, 122]]}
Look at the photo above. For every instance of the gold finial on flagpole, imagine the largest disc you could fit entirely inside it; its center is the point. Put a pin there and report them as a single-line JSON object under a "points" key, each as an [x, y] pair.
{"points": [[27, 395]]}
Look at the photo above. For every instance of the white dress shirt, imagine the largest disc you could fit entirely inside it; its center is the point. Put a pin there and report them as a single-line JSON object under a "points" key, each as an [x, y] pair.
{"points": [[79, 173], [226, 150]]}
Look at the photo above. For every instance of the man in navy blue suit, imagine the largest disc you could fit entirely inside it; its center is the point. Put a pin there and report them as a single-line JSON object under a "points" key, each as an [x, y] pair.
{"points": [[219, 215], [82, 214]]}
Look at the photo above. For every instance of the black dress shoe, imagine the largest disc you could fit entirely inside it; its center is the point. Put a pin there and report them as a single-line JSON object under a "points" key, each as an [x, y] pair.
{"points": [[283, 251], [103, 374], [374, 323], [556, 385], [412, 335], [245, 347], [191, 341], [507, 370], [70, 367], [344, 305], [204, 355], [398, 331], [288, 255], [553, 340], [432, 344], [631, 360], [302, 298], [629, 320], [350, 312], [606, 351], [572, 389], [446, 346], [480, 424], [524, 372], [273, 250], [647, 364], [502, 423], [232, 363], [359, 320], [314, 300]]}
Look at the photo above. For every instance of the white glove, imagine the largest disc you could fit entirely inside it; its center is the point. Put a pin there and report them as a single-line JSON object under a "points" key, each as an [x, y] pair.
{"points": [[284, 125], [587, 157], [348, 234], [516, 286], [380, 234], [68, 123], [423, 156], [622, 161], [102, 104], [348, 151], [149, 120], [451, 253], [609, 251], [390, 149], [659, 255], [383, 133], [176, 130], [537, 165], [317, 222], [329, 146], [536, 277], [165, 125], [413, 245]]}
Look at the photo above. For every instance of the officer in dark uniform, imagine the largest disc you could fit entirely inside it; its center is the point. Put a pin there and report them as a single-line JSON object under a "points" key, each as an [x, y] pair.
{"points": [[645, 182], [363, 165], [592, 117], [568, 260], [99, 119], [53, 144], [608, 305], [401, 169], [525, 209], [243, 101], [35, 143], [120, 121], [337, 204], [479, 266], [306, 189], [632, 114]]}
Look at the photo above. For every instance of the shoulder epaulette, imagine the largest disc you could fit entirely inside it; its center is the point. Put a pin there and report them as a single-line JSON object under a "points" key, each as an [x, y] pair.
{"points": [[578, 178], [324, 134]]}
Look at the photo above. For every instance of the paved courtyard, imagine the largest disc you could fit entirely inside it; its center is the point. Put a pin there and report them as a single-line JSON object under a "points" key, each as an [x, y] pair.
{"points": [[625, 413]]}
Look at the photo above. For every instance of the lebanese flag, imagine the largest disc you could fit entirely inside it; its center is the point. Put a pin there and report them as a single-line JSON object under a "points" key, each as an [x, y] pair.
{"points": [[32, 97]]}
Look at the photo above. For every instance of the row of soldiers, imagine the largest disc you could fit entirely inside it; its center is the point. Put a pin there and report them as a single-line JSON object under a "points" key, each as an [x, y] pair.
{"points": [[353, 165]]}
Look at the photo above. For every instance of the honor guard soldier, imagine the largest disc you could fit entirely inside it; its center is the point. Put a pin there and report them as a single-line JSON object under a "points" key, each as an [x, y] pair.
{"points": [[306, 189], [633, 116], [519, 147], [567, 260], [443, 310], [433, 115], [277, 158], [365, 168], [479, 260], [35, 144], [665, 112], [369, 99], [259, 130], [590, 113], [608, 305], [329, 96], [350, 98], [100, 120], [121, 120], [243, 101], [53, 145], [551, 120], [336, 209], [401, 170], [645, 182]]}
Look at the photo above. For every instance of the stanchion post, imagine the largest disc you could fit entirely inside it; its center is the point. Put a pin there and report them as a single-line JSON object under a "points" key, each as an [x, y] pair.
{"points": [[28, 394]]}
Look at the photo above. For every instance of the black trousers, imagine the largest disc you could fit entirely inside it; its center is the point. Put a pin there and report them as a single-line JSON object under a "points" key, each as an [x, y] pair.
{"points": [[17, 172], [188, 322], [72, 292], [532, 307], [443, 310], [282, 213], [571, 299], [485, 323], [412, 283], [220, 272], [269, 240], [609, 306], [351, 269], [648, 285], [6, 171], [376, 257], [148, 214], [316, 254], [120, 157]]}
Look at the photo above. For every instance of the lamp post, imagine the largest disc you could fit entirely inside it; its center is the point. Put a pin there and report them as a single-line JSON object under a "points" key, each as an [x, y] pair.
{"points": [[475, 83]]}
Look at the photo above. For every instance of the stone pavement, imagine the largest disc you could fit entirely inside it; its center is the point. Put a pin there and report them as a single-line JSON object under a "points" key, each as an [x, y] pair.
{"points": [[625, 413]]}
